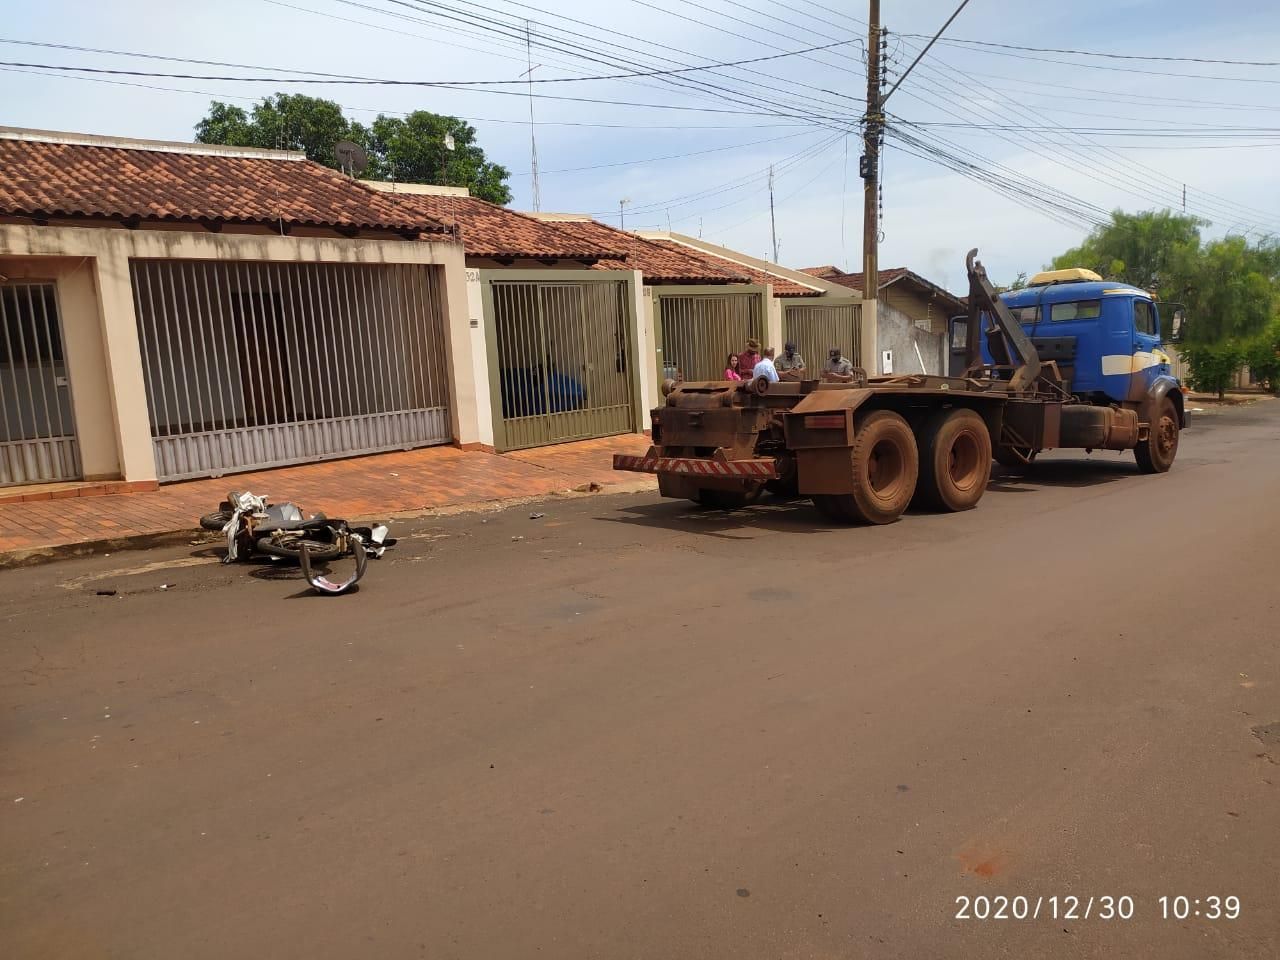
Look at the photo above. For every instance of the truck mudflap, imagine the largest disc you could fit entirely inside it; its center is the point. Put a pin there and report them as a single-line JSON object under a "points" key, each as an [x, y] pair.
{"points": [[758, 469]]}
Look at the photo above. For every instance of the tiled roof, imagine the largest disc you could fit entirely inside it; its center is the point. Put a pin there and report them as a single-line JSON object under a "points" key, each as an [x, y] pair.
{"points": [[658, 262], [854, 280], [489, 230], [39, 178], [828, 272], [782, 287], [887, 277]]}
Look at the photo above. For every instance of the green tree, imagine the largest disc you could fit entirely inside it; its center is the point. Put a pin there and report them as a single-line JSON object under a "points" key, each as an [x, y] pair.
{"points": [[410, 150], [1262, 354], [413, 150], [1231, 290], [1155, 250], [1213, 365]]}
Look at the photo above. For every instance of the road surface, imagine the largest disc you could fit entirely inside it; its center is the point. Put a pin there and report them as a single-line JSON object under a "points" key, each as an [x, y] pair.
{"points": [[633, 729]]}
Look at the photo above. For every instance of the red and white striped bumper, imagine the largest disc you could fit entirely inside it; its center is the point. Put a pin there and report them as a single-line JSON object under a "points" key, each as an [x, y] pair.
{"points": [[697, 466]]}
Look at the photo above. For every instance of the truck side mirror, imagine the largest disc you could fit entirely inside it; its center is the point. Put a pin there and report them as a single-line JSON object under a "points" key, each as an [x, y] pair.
{"points": [[1173, 322]]}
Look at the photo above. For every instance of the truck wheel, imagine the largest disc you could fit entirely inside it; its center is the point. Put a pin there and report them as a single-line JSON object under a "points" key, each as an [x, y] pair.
{"points": [[1155, 454], [955, 461], [885, 466]]}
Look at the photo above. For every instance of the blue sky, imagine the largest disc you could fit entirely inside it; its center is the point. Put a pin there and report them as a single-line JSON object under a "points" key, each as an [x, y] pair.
{"points": [[700, 163]]}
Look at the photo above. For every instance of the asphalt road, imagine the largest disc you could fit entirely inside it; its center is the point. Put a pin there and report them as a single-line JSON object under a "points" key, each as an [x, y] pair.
{"points": [[648, 731]]}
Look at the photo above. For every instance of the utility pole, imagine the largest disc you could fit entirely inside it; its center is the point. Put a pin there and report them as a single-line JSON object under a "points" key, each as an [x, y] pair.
{"points": [[773, 223], [1184, 198], [622, 213], [870, 161]]}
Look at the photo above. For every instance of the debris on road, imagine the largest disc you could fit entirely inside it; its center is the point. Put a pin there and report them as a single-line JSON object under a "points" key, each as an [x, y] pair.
{"points": [[591, 487], [536, 516], [106, 593], [514, 539]]}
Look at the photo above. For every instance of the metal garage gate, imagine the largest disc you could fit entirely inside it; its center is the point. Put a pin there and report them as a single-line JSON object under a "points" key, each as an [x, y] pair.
{"points": [[37, 429], [559, 360], [252, 365], [817, 327], [696, 331]]}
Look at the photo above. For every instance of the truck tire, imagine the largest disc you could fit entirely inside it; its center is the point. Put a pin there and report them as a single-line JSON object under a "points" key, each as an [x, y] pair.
{"points": [[1155, 454], [955, 461], [885, 466]]}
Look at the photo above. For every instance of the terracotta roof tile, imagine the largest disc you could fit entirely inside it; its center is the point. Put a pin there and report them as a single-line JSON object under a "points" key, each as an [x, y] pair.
{"points": [[49, 179], [782, 287], [489, 230], [659, 263]]}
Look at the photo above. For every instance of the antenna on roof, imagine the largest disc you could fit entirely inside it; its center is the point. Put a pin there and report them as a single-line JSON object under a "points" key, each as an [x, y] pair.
{"points": [[533, 136], [351, 157]]}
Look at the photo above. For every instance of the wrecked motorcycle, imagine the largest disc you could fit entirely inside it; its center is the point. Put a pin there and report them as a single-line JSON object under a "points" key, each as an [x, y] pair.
{"points": [[254, 525]]}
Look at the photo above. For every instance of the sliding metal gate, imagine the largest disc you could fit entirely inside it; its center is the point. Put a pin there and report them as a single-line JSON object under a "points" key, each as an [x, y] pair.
{"points": [[37, 430], [696, 331], [252, 365], [817, 327], [560, 359]]}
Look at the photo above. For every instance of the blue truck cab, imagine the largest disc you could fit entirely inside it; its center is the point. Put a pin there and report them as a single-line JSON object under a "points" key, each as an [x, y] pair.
{"points": [[1105, 339]]}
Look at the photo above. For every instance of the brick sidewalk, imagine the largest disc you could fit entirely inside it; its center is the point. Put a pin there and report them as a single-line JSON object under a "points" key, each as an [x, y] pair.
{"points": [[362, 488]]}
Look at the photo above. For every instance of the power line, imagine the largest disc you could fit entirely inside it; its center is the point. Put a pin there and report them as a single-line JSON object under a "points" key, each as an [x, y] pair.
{"points": [[402, 113], [346, 78], [673, 156], [593, 54], [920, 55], [956, 41], [380, 82], [1138, 183], [1149, 73]]}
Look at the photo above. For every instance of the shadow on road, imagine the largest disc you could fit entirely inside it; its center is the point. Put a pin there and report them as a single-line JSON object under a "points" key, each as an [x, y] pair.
{"points": [[1060, 473], [770, 513]]}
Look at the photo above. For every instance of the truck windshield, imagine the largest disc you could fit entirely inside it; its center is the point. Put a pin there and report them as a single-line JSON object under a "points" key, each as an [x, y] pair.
{"points": [[1076, 310]]}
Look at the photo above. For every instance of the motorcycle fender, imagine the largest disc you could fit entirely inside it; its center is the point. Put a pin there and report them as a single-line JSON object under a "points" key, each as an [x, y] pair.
{"points": [[322, 584]]}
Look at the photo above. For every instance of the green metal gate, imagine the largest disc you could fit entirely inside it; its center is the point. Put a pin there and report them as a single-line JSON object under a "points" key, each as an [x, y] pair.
{"points": [[817, 327], [561, 356], [697, 328]]}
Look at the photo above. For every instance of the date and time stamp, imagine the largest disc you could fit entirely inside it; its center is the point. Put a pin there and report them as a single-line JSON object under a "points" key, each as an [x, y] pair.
{"points": [[1103, 908]]}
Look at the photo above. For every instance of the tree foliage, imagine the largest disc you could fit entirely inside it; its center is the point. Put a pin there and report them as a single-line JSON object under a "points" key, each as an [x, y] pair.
{"points": [[1213, 365], [1231, 287], [410, 149]]}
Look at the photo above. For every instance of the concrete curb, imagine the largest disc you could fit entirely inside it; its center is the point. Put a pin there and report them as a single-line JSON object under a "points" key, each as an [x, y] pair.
{"points": [[36, 556]]}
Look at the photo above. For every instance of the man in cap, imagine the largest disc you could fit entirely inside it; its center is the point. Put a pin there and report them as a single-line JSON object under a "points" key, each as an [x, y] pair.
{"points": [[838, 369], [790, 365]]}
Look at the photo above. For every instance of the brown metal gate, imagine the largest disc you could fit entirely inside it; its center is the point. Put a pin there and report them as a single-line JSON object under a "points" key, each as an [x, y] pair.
{"points": [[560, 360], [696, 331], [37, 429], [817, 327], [252, 365]]}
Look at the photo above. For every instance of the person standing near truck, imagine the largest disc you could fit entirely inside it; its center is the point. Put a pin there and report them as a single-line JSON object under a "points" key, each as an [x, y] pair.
{"points": [[790, 365], [765, 368], [749, 357], [837, 369]]}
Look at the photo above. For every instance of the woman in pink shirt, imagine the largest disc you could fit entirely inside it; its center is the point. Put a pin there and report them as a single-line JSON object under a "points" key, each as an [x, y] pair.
{"points": [[731, 369]]}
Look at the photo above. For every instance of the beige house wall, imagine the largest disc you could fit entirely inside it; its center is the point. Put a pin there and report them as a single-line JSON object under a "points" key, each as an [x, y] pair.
{"points": [[90, 266]]}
